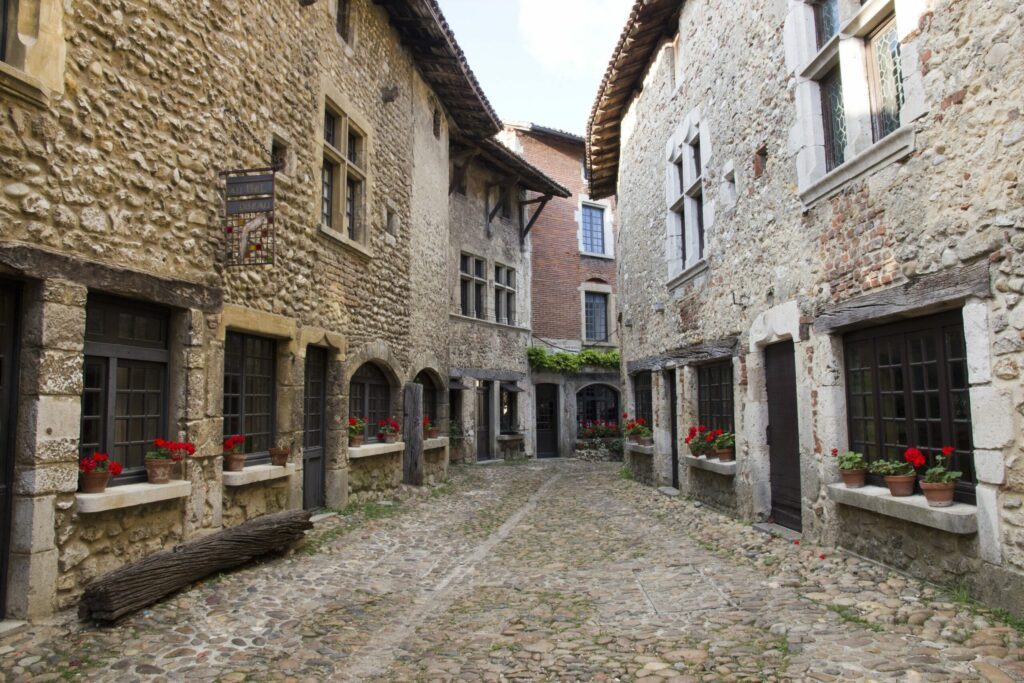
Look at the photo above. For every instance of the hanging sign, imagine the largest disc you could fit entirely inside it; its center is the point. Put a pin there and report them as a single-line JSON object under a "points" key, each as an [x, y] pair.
{"points": [[249, 236]]}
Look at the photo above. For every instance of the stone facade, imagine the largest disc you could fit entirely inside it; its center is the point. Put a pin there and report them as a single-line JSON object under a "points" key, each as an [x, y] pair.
{"points": [[117, 123], [928, 218]]}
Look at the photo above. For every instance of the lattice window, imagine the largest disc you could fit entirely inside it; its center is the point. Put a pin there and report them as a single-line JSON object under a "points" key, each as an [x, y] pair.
{"points": [[593, 229], [249, 392], [472, 287], [715, 396], [504, 295], [370, 397], [826, 20], [886, 79], [642, 396], [343, 177], [834, 117], [596, 316]]}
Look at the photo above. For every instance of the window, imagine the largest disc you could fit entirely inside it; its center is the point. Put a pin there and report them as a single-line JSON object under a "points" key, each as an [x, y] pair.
{"points": [[429, 396], [4, 18], [906, 385], [885, 79], [472, 286], [505, 197], [342, 19], [593, 229], [249, 396], [686, 211], [509, 404], [437, 124], [459, 172], [834, 119], [714, 396], [370, 397], [343, 177], [124, 396], [642, 399], [826, 20], [597, 402], [760, 161], [504, 295], [278, 154], [596, 316]]}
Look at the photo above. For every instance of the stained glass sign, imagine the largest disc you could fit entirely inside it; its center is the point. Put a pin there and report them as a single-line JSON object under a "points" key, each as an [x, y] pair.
{"points": [[249, 236]]}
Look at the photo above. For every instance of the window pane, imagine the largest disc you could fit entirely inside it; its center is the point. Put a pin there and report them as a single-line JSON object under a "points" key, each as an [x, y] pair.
{"points": [[826, 19], [352, 189], [642, 396], [249, 368], [593, 229], [715, 396], [888, 80], [327, 195], [139, 384], [597, 402], [330, 127], [596, 316], [834, 116]]}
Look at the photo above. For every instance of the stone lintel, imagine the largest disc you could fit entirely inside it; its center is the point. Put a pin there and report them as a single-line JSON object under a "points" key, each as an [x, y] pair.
{"points": [[372, 449], [726, 469], [960, 518], [130, 495], [687, 355], [257, 473]]}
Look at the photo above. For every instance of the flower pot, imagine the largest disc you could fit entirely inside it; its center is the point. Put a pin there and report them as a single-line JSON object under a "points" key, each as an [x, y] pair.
{"points": [[159, 471], [433, 432], [938, 495], [279, 456], [93, 482], [726, 454], [854, 479], [645, 440], [633, 438], [355, 441], [901, 485], [390, 438], [234, 462]]}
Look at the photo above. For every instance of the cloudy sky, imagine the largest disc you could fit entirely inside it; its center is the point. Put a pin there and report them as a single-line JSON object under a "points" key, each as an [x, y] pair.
{"points": [[539, 60]]}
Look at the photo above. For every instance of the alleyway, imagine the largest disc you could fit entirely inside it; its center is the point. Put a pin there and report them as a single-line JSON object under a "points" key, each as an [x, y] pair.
{"points": [[561, 571]]}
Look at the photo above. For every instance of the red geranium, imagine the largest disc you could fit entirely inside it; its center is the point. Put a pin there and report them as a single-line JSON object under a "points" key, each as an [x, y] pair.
{"points": [[914, 457], [948, 451], [99, 462]]}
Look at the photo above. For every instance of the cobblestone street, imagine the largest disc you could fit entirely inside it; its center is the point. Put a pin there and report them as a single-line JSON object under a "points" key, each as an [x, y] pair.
{"points": [[559, 571]]}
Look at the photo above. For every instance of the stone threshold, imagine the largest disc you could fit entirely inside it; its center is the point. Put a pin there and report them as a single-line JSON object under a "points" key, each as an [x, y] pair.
{"points": [[637, 448], [773, 529], [372, 449], [725, 468], [959, 518], [130, 495], [257, 473], [10, 628], [432, 444]]}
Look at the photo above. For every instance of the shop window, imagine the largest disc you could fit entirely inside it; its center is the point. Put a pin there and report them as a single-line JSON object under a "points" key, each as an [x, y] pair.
{"points": [[249, 392]]}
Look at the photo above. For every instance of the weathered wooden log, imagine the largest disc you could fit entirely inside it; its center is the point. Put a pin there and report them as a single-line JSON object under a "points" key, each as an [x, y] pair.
{"points": [[134, 586]]}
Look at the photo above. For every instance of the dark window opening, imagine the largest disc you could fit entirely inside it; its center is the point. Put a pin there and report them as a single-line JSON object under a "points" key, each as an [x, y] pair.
{"points": [[249, 392], [429, 396], [715, 396], [370, 398], [509, 406], [642, 397], [342, 19], [597, 403]]}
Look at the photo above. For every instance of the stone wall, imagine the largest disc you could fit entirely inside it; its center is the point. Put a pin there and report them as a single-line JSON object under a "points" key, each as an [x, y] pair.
{"points": [[374, 477], [242, 503], [436, 466], [641, 467], [775, 264], [599, 450]]}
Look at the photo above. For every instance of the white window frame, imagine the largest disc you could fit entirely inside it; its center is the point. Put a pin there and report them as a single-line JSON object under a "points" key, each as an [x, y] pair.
{"points": [[849, 50], [607, 290], [681, 223], [606, 217]]}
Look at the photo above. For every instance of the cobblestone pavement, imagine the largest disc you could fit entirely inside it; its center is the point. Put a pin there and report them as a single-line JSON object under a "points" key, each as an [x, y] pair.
{"points": [[558, 571]]}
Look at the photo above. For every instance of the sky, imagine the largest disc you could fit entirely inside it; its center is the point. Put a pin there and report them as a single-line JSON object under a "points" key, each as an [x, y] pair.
{"points": [[539, 60]]}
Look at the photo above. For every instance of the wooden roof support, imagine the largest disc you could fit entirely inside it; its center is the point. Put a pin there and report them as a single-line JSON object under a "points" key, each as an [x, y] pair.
{"points": [[542, 201]]}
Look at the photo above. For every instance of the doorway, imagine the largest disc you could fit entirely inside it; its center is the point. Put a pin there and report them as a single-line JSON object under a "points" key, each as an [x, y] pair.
{"points": [[8, 403], [673, 406], [783, 434], [313, 460], [547, 421], [483, 421]]}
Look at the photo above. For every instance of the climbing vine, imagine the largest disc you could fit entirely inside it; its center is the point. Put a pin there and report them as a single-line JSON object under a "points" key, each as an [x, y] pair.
{"points": [[569, 363]]}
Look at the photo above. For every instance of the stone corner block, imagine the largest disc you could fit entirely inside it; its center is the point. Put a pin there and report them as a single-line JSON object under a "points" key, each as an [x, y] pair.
{"points": [[990, 467], [992, 417]]}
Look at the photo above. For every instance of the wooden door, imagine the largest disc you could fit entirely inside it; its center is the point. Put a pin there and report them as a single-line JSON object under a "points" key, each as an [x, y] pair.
{"points": [[783, 437], [547, 421], [673, 403], [483, 422], [315, 407], [8, 401]]}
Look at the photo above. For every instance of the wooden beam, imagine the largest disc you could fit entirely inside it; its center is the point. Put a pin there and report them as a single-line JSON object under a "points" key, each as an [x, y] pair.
{"points": [[688, 355], [536, 214]]}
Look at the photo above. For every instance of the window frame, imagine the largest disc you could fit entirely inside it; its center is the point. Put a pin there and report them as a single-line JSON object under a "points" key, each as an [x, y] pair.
{"points": [[476, 280], [346, 205], [874, 78], [366, 382], [252, 457], [588, 229], [508, 421], [835, 142], [504, 294], [586, 399], [936, 327], [605, 298], [716, 410], [643, 397], [343, 19]]}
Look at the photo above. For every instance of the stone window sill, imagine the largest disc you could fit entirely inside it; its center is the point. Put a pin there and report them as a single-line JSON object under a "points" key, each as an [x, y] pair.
{"points": [[726, 469], [960, 518], [488, 323], [19, 84], [594, 254], [131, 495], [370, 450], [432, 444], [358, 248], [510, 437], [257, 473], [889, 149], [637, 448], [687, 275]]}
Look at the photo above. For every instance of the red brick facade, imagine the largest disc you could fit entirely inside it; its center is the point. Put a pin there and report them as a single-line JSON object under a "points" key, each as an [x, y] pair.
{"points": [[558, 267]]}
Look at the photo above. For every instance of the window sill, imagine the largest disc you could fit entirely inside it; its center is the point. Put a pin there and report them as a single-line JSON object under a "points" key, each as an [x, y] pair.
{"points": [[726, 469], [19, 84], [131, 495], [687, 275], [370, 450], [257, 473], [823, 61], [510, 437], [433, 444], [489, 323], [893, 147], [357, 247], [960, 518], [637, 448], [593, 254]]}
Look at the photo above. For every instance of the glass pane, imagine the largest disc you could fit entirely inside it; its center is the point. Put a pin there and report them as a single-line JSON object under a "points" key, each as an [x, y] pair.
{"points": [[885, 48]]}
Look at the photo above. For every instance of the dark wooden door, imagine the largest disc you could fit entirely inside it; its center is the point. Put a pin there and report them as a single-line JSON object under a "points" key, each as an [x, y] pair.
{"points": [[547, 421], [483, 422], [673, 402], [783, 437], [8, 389], [313, 460]]}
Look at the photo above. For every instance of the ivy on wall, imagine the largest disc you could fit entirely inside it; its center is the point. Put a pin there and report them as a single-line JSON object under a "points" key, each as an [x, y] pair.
{"points": [[570, 363]]}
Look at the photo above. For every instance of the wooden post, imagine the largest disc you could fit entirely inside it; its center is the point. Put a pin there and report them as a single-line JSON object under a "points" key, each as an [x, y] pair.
{"points": [[413, 434]]}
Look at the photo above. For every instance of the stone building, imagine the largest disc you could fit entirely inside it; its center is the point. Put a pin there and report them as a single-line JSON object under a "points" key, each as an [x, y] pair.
{"points": [[497, 199], [573, 252], [822, 246], [129, 310]]}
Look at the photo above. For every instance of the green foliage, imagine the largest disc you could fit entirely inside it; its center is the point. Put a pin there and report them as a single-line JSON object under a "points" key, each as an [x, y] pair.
{"points": [[625, 473], [571, 363], [891, 468], [848, 615], [851, 460], [940, 474]]}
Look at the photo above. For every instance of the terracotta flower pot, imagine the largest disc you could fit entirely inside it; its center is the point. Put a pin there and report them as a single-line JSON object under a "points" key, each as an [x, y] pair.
{"points": [[93, 482], [633, 438], [390, 438], [355, 441], [234, 462], [938, 495], [159, 471], [726, 454], [646, 440], [279, 456], [854, 479], [901, 485], [433, 432]]}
